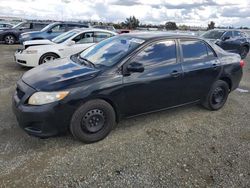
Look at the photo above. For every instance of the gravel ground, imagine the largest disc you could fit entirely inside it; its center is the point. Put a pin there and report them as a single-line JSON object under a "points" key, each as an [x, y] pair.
{"points": [[184, 147]]}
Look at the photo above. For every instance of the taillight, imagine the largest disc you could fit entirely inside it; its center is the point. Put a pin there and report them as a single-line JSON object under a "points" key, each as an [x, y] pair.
{"points": [[242, 63]]}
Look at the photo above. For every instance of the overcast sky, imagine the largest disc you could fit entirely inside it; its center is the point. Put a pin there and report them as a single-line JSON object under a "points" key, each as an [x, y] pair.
{"points": [[190, 12]]}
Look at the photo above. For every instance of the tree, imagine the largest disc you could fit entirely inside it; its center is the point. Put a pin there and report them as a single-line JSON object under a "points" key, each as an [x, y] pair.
{"points": [[171, 26], [132, 22], [211, 25]]}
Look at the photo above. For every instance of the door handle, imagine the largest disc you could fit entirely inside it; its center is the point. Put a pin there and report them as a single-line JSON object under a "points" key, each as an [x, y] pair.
{"points": [[175, 73], [215, 65]]}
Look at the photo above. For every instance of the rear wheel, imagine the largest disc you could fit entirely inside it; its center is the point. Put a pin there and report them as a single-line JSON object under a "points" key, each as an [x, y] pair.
{"points": [[217, 96], [244, 52], [10, 39], [93, 121], [48, 57]]}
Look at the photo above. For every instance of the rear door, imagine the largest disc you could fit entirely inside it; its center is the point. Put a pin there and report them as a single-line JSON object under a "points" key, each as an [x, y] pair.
{"points": [[159, 86], [201, 68]]}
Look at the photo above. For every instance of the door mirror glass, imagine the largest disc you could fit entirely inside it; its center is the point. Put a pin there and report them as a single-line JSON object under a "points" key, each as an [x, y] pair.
{"points": [[135, 67]]}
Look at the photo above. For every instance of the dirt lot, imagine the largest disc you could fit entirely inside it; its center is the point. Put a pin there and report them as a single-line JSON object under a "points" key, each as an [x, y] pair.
{"points": [[188, 147]]}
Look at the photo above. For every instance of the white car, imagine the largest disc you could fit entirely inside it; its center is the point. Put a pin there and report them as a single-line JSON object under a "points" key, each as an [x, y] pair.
{"points": [[36, 52]]}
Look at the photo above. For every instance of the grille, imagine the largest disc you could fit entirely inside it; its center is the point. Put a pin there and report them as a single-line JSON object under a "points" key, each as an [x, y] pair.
{"points": [[20, 93], [21, 61]]}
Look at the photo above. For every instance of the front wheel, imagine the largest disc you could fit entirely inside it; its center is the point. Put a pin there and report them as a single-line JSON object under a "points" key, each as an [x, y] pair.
{"points": [[10, 39], [217, 96], [93, 121], [47, 58]]}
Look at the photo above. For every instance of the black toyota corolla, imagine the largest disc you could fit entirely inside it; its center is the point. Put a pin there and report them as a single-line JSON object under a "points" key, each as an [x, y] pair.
{"points": [[123, 76]]}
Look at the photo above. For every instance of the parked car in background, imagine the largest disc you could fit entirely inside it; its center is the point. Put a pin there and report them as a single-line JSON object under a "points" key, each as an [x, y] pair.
{"points": [[38, 52], [120, 77], [11, 36], [235, 41], [106, 27], [121, 31], [51, 31], [4, 26]]}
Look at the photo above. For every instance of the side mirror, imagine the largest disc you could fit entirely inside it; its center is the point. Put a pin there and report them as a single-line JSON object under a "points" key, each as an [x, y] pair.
{"points": [[70, 43], [225, 38], [135, 67]]}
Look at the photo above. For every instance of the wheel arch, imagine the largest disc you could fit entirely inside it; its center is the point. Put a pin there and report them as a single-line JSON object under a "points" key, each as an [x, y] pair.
{"points": [[228, 80], [114, 106], [54, 53]]}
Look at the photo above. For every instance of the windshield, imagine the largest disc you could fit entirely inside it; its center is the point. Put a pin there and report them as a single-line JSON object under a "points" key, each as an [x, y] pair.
{"points": [[47, 27], [110, 51], [18, 25], [63, 37], [213, 34]]}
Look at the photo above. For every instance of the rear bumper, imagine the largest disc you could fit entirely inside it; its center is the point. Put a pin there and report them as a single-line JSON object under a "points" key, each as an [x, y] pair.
{"points": [[40, 121]]}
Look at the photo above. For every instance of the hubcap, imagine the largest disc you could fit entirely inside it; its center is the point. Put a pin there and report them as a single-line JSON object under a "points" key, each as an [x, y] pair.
{"points": [[218, 95], [47, 59], [9, 39], [93, 121]]}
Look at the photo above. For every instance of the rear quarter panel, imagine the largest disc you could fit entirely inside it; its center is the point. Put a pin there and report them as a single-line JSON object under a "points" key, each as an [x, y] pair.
{"points": [[231, 68]]}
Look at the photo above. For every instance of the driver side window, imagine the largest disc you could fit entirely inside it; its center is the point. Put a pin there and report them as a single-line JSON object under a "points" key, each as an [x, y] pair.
{"points": [[160, 53], [84, 38], [228, 34], [58, 28]]}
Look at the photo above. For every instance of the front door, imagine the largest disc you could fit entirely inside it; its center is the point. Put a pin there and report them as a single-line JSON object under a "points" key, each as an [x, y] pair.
{"points": [[159, 86]]}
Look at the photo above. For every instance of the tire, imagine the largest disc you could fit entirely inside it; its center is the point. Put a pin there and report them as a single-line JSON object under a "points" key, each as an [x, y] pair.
{"points": [[10, 39], [243, 52], [93, 121], [217, 96], [47, 57]]}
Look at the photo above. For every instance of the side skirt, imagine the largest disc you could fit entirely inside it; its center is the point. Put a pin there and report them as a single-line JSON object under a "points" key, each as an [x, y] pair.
{"points": [[163, 109]]}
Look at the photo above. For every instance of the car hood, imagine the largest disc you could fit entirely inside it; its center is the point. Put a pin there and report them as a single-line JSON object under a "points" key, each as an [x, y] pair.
{"points": [[58, 75], [37, 42], [33, 33]]}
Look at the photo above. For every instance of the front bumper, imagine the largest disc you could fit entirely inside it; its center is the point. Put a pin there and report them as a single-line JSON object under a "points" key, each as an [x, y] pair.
{"points": [[27, 60], [41, 121]]}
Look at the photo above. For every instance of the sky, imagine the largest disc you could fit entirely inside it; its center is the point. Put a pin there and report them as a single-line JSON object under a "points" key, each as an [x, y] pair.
{"points": [[190, 12]]}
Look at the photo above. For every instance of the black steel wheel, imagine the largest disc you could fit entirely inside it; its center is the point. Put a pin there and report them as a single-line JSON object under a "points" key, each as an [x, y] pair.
{"points": [[217, 96], [93, 121]]}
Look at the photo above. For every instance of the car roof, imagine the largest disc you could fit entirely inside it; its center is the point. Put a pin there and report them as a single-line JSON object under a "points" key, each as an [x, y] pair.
{"points": [[158, 35], [226, 30], [91, 30]]}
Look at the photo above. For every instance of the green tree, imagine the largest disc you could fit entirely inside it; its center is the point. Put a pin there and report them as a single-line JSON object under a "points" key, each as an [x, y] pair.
{"points": [[211, 25], [171, 26], [132, 22]]}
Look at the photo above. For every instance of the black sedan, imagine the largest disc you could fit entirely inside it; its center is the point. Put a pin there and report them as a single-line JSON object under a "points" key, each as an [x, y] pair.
{"points": [[123, 76], [230, 40]]}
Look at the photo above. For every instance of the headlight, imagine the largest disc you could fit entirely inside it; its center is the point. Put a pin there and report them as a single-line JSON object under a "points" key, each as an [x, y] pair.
{"points": [[40, 98], [30, 51]]}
